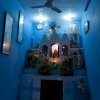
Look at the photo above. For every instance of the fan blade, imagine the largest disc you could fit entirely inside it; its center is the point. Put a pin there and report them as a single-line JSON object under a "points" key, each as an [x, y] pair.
{"points": [[40, 6], [56, 9], [50, 1]]}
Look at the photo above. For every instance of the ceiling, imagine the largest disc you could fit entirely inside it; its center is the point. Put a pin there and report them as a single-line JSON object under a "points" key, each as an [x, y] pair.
{"points": [[75, 7]]}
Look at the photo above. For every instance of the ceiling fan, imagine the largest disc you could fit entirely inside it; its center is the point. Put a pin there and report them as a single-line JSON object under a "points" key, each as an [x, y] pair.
{"points": [[48, 4]]}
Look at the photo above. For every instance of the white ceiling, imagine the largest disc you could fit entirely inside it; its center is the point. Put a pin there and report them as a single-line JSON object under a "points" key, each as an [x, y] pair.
{"points": [[75, 7]]}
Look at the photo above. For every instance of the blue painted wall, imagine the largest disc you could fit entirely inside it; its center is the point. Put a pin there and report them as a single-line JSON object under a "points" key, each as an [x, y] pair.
{"points": [[91, 43], [37, 34], [12, 65]]}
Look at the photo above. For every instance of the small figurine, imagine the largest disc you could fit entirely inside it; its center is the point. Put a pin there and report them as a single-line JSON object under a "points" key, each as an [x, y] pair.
{"points": [[81, 85]]}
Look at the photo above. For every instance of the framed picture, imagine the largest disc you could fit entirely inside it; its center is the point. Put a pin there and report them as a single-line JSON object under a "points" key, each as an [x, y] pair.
{"points": [[86, 27], [7, 34], [73, 29], [20, 27], [80, 62]]}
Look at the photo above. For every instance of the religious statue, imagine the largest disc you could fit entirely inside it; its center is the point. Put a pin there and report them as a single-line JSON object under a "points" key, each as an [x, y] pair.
{"points": [[55, 54], [79, 59], [81, 85], [82, 90]]}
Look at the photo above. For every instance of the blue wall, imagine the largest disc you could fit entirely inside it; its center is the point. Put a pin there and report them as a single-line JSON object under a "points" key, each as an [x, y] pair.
{"points": [[37, 34], [12, 65], [91, 43]]}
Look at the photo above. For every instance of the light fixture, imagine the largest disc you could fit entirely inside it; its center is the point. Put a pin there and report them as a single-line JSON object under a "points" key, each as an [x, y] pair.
{"points": [[68, 17], [41, 18], [21, 20]]}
